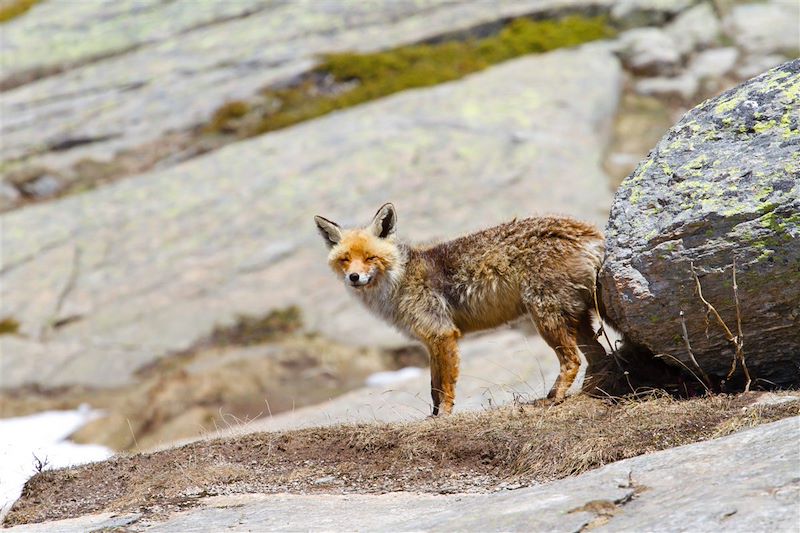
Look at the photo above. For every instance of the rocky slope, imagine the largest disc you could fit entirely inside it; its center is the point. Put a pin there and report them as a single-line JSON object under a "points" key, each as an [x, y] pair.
{"points": [[147, 266], [88, 81]]}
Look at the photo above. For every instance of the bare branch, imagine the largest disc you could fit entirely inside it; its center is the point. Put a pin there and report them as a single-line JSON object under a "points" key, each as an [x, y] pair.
{"points": [[660, 355], [711, 309], [705, 381], [736, 340], [739, 334]]}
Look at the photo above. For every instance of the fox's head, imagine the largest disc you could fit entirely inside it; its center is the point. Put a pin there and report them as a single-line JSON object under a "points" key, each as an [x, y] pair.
{"points": [[364, 257]]}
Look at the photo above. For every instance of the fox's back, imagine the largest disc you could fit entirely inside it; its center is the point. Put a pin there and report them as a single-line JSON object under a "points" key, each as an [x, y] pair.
{"points": [[485, 276]]}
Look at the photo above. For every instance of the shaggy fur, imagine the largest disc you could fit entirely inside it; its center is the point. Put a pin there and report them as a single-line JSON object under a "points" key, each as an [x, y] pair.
{"points": [[545, 267]]}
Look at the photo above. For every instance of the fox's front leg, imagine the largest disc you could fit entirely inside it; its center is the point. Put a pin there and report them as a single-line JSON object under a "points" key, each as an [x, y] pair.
{"points": [[443, 350]]}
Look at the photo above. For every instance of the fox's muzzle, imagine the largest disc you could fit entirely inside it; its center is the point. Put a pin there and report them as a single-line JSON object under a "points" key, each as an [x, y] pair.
{"points": [[356, 279]]}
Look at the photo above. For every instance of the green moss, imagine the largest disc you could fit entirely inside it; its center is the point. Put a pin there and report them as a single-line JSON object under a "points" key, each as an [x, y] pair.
{"points": [[11, 9], [765, 255], [776, 236], [248, 330], [365, 77], [9, 326], [221, 121]]}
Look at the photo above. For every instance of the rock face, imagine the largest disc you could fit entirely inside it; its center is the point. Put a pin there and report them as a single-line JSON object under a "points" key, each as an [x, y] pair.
{"points": [[146, 266], [722, 185], [104, 77]]}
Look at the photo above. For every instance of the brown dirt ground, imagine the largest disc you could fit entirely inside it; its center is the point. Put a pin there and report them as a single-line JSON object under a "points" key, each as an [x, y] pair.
{"points": [[469, 452]]}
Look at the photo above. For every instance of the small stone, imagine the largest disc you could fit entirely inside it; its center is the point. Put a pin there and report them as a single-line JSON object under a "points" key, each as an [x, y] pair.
{"points": [[649, 51], [42, 187], [765, 28], [9, 195], [633, 13], [752, 66], [684, 86], [695, 28], [713, 63], [324, 480]]}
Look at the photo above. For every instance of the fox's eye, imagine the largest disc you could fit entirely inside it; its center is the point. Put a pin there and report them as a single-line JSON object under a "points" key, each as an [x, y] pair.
{"points": [[343, 260], [371, 258]]}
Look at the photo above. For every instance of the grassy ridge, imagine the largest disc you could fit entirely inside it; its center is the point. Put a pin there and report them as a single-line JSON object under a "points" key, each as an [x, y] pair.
{"points": [[466, 452]]}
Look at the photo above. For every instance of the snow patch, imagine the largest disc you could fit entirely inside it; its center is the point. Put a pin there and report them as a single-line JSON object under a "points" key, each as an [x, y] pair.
{"points": [[42, 436], [383, 379]]}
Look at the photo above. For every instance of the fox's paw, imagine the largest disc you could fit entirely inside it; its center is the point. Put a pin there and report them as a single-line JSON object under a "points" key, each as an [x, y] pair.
{"points": [[544, 402]]}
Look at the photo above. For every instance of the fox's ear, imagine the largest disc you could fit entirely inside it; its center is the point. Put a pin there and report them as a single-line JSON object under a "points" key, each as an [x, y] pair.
{"points": [[330, 231], [384, 222]]}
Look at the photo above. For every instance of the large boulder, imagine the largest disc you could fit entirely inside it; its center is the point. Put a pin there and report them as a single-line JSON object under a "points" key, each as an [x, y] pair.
{"points": [[723, 185]]}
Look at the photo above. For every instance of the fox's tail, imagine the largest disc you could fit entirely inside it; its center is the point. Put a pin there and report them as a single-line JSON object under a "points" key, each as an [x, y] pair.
{"points": [[636, 363], [625, 346]]}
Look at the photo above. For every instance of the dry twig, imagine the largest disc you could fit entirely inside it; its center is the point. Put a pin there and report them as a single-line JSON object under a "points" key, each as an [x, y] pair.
{"points": [[660, 355], [705, 381], [736, 340]]}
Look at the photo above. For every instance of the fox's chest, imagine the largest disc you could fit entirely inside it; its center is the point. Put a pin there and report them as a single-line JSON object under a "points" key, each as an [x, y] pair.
{"points": [[380, 302]]}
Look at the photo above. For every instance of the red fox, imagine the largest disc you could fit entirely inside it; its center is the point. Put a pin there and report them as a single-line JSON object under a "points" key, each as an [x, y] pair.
{"points": [[545, 267]]}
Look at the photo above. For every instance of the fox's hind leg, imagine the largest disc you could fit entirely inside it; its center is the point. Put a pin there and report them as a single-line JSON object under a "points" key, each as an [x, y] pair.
{"points": [[560, 333], [444, 370]]}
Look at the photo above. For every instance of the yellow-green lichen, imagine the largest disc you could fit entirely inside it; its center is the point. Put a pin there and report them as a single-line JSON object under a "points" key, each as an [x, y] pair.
{"points": [[761, 127], [729, 104], [786, 125], [636, 195], [763, 193]]}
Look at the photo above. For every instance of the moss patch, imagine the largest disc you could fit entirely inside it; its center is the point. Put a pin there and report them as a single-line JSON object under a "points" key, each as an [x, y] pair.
{"points": [[11, 9], [344, 80], [249, 330], [9, 326]]}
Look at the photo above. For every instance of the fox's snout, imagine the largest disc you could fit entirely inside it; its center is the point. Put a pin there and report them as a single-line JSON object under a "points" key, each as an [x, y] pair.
{"points": [[358, 279]]}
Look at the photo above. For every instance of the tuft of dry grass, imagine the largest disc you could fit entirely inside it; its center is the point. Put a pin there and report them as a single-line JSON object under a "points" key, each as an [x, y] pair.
{"points": [[467, 452]]}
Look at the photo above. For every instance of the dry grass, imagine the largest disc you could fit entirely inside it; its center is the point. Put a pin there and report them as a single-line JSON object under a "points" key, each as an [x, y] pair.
{"points": [[468, 452]]}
